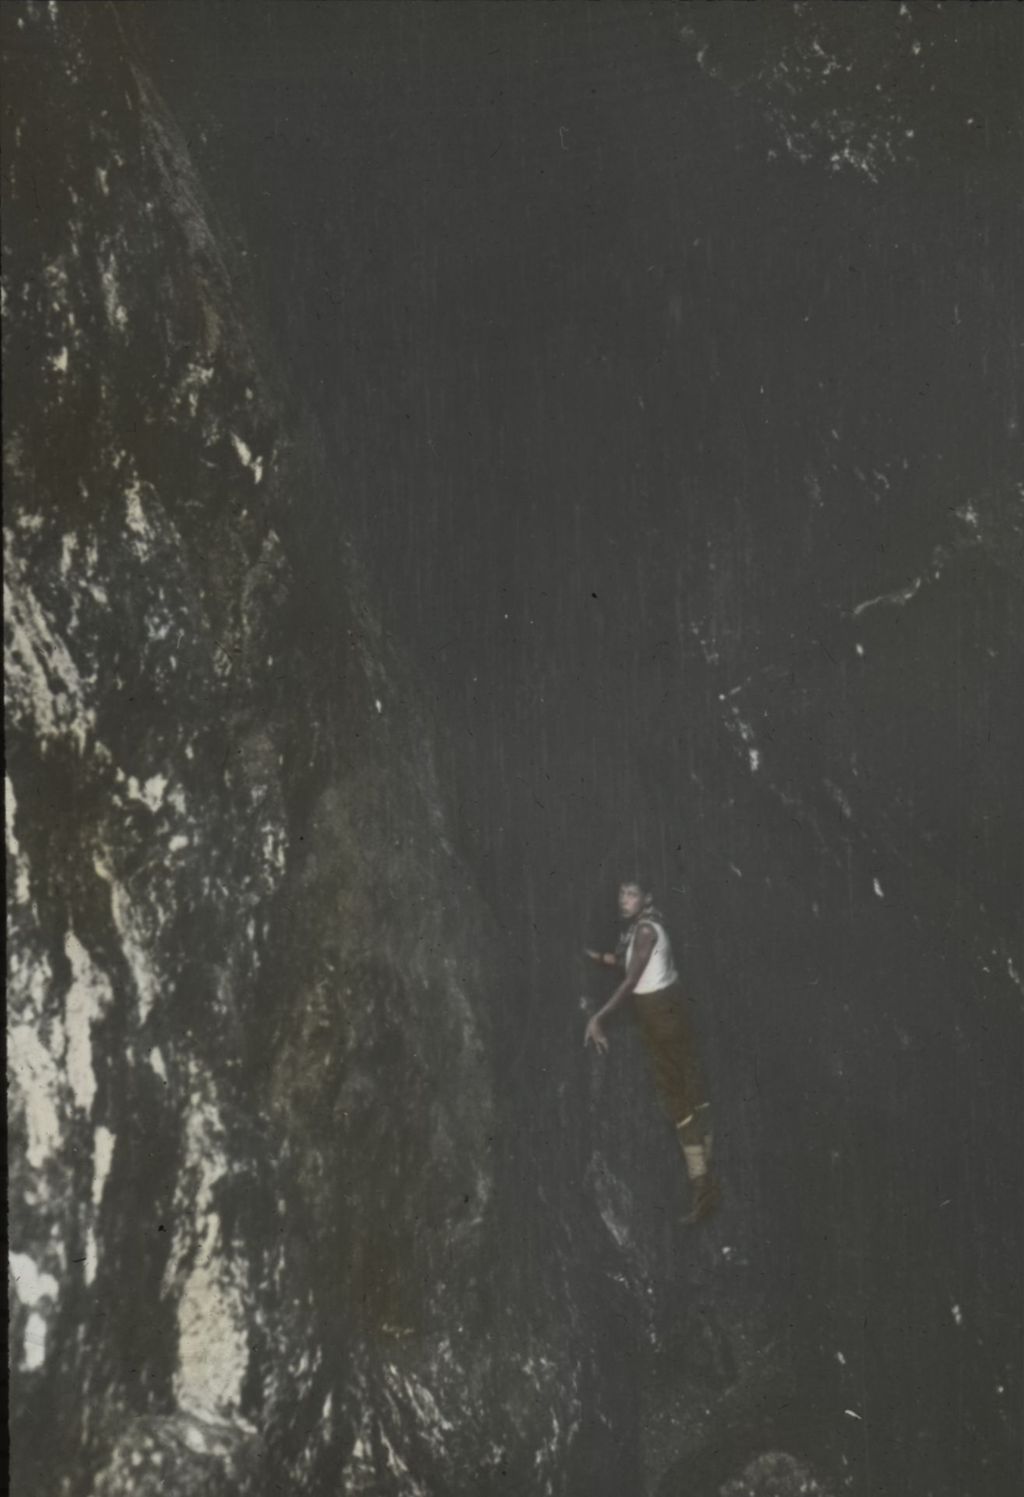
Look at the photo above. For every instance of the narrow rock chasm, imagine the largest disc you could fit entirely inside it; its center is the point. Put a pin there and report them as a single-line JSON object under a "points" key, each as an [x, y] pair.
{"points": [[454, 456]]}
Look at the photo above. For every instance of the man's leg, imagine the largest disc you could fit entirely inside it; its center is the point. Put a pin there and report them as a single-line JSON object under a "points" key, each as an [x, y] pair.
{"points": [[694, 1135], [677, 1076]]}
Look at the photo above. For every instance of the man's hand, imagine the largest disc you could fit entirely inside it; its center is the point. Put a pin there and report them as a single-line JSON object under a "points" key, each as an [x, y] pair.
{"points": [[595, 1035], [603, 958]]}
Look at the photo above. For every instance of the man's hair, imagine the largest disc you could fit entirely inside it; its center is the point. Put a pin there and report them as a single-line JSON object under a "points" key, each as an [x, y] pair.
{"points": [[636, 881]]}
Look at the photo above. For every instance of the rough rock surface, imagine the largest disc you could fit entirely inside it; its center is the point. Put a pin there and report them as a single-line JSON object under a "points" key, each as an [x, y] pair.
{"points": [[312, 1188], [253, 1136]]}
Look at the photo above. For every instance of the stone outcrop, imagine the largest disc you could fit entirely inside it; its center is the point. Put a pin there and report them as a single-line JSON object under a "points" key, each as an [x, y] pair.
{"points": [[253, 1136]]}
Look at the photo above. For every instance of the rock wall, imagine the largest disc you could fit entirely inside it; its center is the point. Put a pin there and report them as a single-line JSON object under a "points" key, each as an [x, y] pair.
{"points": [[253, 1134], [312, 1186]]}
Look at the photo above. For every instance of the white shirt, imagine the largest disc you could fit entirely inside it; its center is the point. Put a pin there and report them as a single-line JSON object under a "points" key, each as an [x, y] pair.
{"points": [[660, 971]]}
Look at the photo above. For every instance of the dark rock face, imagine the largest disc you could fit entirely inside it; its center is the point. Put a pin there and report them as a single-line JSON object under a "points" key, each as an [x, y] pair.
{"points": [[253, 1132], [312, 1188]]}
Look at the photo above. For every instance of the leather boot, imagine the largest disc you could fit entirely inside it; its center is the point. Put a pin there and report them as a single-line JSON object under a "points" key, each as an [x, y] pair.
{"points": [[704, 1199], [703, 1187]]}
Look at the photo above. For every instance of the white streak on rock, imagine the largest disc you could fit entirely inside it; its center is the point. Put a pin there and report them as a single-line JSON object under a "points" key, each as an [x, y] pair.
{"points": [[839, 796], [43, 682], [116, 314], [87, 997], [360, 1461], [146, 982], [34, 1353], [14, 852], [274, 854], [400, 1469], [195, 1439], [432, 1423], [102, 1158], [138, 520], [30, 1285], [213, 1346], [151, 794], [37, 1082], [901, 595], [245, 457]]}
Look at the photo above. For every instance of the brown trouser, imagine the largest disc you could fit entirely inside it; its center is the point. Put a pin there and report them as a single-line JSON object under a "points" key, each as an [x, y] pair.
{"points": [[668, 1034]]}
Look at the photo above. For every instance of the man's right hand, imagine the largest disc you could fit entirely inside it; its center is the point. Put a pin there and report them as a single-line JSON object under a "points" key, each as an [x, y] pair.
{"points": [[595, 1035]]}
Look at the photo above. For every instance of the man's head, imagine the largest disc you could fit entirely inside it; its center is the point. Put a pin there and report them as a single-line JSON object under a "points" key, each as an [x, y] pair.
{"points": [[634, 896]]}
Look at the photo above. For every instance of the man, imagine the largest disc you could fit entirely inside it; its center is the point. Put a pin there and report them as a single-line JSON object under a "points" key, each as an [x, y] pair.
{"points": [[650, 977]]}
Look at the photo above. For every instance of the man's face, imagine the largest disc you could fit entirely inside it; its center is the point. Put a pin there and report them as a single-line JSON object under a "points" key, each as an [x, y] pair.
{"points": [[631, 901]]}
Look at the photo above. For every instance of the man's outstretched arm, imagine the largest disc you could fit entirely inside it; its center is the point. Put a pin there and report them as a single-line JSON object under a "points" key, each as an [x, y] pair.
{"points": [[603, 958], [642, 948]]}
